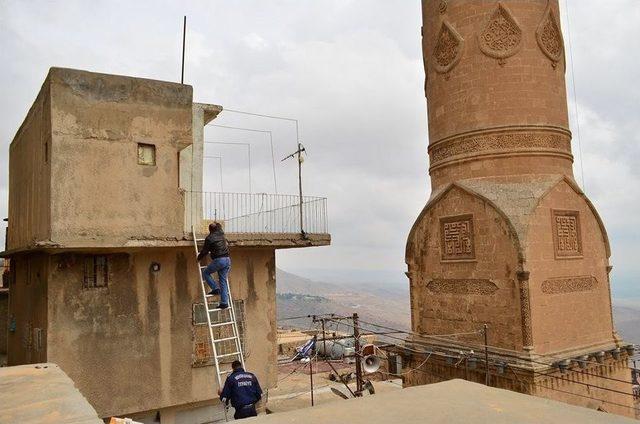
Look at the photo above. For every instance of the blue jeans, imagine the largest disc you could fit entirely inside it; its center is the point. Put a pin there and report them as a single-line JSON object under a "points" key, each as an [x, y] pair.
{"points": [[222, 267]]}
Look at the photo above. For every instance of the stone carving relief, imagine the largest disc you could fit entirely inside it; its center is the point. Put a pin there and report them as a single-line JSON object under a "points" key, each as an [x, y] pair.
{"points": [[569, 285], [549, 37], [448, 48], [456, 237], [566, 234], [442, 7], [502, 36], [525, 310], [462, 286], [447, 149]]}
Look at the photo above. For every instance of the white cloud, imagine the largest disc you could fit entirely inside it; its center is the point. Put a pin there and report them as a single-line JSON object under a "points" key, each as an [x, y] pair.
{"points": [[351, 72]]}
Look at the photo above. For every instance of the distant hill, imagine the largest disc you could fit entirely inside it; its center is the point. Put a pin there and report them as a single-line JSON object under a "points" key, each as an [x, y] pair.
{"points": [[299, 296], [373, 304], [626, 314]]}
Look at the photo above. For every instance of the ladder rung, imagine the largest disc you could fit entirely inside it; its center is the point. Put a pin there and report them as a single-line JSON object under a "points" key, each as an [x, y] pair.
{"points": [[220, 324], [203, 266], [225, 372], [216, 309], [225, 339], [229, 354]]}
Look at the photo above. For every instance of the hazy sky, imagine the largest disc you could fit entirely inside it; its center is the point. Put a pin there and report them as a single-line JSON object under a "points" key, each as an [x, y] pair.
{"points": [[351, 72]]}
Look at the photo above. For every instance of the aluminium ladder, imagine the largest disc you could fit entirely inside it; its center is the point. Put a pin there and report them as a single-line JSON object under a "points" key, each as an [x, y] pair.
{"points": [[232, 321]]}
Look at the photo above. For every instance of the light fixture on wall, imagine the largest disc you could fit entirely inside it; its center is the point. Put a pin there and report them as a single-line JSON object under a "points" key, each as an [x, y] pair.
{"points": [[155, 267]]}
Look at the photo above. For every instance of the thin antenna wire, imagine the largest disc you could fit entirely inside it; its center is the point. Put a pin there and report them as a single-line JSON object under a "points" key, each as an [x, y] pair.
{"points": [[270, 116], [220, 159], [575, 96], [273, 157], [184, 39], [240, 144]]}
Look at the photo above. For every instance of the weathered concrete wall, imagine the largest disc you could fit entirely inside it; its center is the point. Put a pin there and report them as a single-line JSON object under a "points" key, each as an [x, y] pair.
{"points": [[100, 191], [28, 310], [570, 297], [30, 175], [460, 296], [191, 163], [129, 346]]}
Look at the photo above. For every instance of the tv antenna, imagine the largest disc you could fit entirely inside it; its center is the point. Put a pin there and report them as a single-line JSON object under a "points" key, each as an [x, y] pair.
{"points": [[298, 153]]}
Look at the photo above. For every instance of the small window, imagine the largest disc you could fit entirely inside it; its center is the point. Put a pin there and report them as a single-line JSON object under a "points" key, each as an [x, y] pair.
{"points": [[146, 154], [96, 272]]}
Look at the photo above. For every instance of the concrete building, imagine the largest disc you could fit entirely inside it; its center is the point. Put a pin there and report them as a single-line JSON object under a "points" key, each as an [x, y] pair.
{"points": [[508, 238], [105, 184]]}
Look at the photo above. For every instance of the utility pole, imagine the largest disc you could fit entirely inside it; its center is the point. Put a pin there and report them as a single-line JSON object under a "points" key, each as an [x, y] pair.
{"points": [[315, 339], [356, 336], [486, 356], [298, 153]]}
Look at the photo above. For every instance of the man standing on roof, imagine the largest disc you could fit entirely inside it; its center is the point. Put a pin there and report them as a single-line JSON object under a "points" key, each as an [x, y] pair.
{"points": [[243, 390], [216, 245]]}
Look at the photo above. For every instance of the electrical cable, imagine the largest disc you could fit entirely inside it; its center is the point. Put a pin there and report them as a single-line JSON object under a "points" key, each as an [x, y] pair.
{"points": [[533, 371], [575, 96]]}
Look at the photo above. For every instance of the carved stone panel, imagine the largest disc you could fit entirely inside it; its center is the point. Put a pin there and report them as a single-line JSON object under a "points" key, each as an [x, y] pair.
{"points": [[462, 286], [501, 36], [567, 239], [569, 285], [495, 141], [549, 37], [448, 48], [456, 238]]}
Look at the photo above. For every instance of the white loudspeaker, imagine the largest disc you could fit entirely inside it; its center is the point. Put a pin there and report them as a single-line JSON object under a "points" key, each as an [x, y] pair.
{"points": [[370, 363]]}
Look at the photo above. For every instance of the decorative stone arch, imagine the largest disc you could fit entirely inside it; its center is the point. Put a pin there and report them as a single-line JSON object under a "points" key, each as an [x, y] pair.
{"points": [[409, 248], [574, 186]]}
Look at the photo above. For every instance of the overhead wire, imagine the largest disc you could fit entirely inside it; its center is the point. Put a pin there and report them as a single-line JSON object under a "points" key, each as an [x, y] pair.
{"points": [[575, 96]]}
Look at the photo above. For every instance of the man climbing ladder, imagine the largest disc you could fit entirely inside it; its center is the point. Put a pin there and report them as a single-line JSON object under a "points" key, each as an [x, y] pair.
{"points": [[216, 245]]}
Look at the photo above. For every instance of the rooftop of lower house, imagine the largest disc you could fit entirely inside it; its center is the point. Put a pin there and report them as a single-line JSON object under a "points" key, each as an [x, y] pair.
{"points": [[42, 393], [450, 402], [116, 162]]}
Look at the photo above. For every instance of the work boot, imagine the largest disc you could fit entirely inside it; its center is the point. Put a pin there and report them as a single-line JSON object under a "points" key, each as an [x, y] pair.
{"points": [[214, 292], [223, 306]]}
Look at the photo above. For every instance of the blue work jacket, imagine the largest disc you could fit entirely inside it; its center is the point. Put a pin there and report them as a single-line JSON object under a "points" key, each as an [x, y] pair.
{"points": [[241, 388]]}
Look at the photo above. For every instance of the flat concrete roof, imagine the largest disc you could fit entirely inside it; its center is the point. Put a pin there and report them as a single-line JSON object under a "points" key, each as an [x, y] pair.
{"points": [[451, 402], [42, 394], [236, 240]]}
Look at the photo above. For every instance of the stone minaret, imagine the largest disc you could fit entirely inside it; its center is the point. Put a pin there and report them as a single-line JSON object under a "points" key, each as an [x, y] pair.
{"points": [[508, 238]]}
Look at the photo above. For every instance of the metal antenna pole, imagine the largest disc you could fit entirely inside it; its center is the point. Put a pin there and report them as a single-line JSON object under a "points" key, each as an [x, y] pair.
{"points": [[486, 356], [184, 38], [300, 184], [298, 153], [356, 335]]}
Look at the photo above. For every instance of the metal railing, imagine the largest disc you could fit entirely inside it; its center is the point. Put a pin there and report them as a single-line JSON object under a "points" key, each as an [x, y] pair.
{"points": [[256, 212]]}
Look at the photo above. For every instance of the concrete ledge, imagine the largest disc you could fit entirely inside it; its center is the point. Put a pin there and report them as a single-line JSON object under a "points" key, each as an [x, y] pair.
{"points": [[248, 240]]}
